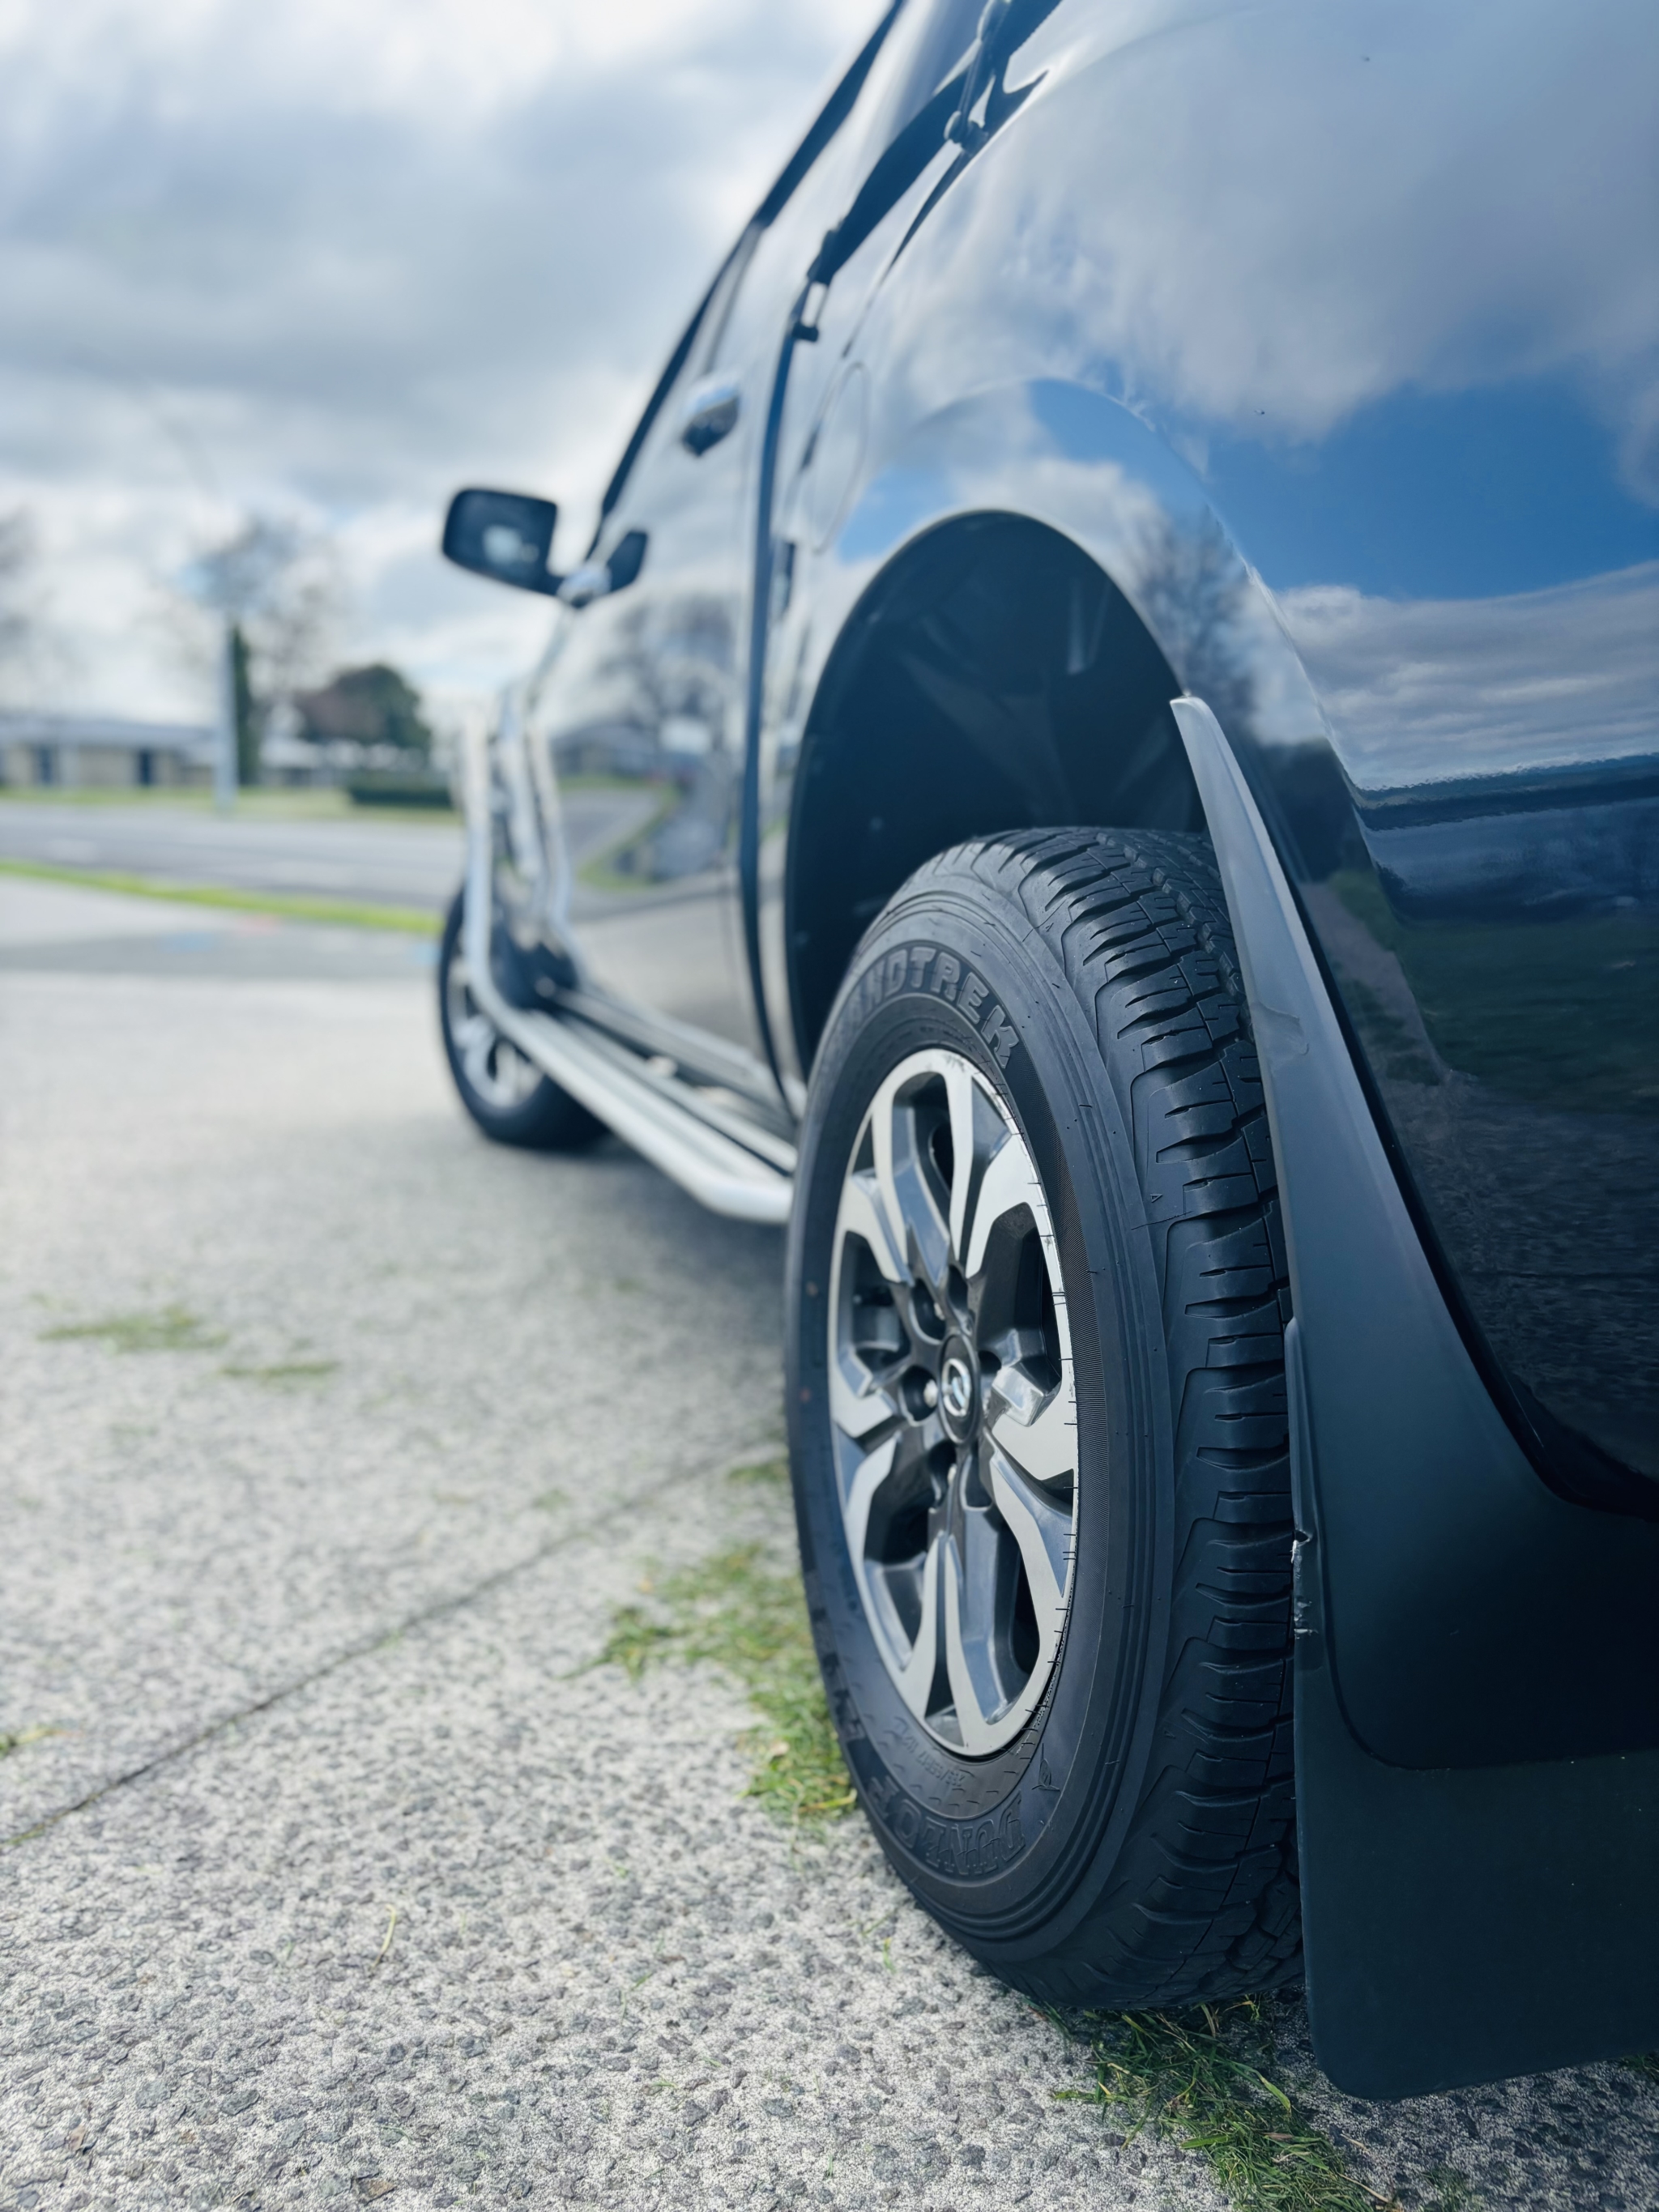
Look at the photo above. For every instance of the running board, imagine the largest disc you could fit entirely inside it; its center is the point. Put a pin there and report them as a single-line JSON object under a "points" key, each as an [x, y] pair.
{"points": [[676, 1133]]}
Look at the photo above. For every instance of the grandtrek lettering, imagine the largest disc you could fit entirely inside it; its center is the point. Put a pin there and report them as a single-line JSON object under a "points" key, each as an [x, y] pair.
{"points": [[998, 1035], [962, 1848], [906, 969]]}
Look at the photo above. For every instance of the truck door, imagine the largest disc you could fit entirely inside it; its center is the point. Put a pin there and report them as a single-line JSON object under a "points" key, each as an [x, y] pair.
{"points": [[646, 702]]}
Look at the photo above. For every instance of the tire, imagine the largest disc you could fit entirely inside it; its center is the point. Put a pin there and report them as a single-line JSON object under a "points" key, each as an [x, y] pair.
{"points": [[511, 1102], [1049, 1584]]}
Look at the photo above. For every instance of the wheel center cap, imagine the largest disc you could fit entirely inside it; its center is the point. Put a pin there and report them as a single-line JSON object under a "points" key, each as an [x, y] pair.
{"points": [[958, 1389]]}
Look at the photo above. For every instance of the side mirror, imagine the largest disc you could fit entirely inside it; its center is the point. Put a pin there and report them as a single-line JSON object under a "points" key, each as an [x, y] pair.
{"points": [[508, 537], [504, 535]]}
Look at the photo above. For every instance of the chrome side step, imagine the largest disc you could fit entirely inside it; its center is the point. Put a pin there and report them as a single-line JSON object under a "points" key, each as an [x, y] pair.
{"points": [[675, 1133], [711, 1150]]}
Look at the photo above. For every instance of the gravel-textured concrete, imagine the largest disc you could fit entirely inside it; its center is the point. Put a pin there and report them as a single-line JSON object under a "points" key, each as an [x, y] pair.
{"points": [[408, 1901]]}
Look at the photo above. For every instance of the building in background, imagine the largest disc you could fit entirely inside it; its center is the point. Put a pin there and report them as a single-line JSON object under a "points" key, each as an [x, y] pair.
{"points": [[104, 750]]}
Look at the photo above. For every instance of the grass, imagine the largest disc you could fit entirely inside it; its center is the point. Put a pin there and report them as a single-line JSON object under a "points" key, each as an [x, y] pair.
{"points": [[765, 1474], [14, 1740], [1200, 2078], [172, 1328], [285, 1371], [1645, 2063], [750, 1619], [290, 906]]}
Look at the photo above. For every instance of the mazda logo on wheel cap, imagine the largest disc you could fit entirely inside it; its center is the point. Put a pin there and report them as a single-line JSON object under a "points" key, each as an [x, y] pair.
{"points": [[958, 1389]]}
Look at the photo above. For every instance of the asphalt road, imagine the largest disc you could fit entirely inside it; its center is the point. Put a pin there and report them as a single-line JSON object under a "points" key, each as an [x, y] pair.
{"points": [[381, 860], [343, 1873]]}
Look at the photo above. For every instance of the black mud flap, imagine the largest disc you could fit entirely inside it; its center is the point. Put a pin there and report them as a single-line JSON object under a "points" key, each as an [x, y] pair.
{"points": [[1477, 1696]]}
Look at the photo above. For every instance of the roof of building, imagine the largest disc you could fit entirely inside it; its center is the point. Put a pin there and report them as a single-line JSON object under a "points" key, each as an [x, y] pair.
{"points": [[114, 732]]}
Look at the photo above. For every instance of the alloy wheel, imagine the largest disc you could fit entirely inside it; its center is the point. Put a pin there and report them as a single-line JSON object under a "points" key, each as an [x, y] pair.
{"points": [[953, 1402], [499, 1075]]}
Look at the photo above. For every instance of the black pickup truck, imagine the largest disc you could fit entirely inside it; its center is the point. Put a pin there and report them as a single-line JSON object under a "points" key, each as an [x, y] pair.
{"points": [[1112, 701]]}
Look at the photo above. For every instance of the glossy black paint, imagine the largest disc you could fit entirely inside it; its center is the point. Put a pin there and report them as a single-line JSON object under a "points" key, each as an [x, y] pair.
{"points": [[1303, 358], [1395, 594]]}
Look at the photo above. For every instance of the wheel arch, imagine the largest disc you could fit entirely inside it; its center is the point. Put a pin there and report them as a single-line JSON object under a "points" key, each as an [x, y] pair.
{"points": [[991, 676], [1019, 584]]}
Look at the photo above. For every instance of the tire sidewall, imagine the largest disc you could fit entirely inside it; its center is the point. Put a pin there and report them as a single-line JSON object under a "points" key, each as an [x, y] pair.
{"points": [[996, 1847]]}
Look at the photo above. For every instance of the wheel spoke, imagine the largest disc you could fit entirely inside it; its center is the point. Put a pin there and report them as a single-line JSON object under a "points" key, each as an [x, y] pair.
{"points": [[473, 1038], [863, 1213], [1043, 1444], [963, 1094], [1007, 1182], [923, 1235], [1042, 1530], [970, 1629], [858, 1403], [868, 1475], [916, 1678], [516, 1077]]}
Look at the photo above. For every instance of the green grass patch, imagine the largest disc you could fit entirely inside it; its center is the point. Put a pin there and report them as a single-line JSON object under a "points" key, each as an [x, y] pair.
{"points": [[16, 1739], [172, 1328], [285, 1371], [1645, 2063], [750, 1619], [289, 906], [763, 1475], [1453, 2190], [1200, 2078]]}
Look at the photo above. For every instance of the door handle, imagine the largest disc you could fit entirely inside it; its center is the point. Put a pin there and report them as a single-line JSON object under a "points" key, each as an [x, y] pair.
{"points": [[710, 413]]}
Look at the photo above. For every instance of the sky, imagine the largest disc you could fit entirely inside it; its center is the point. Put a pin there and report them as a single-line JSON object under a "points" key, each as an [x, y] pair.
{"points": [[324, 263]]}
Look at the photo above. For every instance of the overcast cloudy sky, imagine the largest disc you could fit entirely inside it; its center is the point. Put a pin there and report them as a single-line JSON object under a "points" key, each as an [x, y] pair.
{"points": [[328, 261]]}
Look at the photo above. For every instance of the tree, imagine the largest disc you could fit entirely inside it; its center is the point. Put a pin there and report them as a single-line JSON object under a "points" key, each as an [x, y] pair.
{"points": [[242, 707], [1194, 588], [276, 587], [372, 706]]}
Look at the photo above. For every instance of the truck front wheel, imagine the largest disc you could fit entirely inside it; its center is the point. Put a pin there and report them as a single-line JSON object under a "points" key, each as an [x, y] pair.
{"points": [[1038, 1296]]}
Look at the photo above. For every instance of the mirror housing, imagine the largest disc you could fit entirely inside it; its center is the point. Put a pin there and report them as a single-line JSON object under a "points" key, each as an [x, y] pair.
{"points": [[504, 535], [508, 535]]}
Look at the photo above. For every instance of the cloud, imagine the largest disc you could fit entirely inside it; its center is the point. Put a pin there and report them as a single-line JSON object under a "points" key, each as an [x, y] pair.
{"points": [[331, 262], [1417, 689], [1268, 219]]}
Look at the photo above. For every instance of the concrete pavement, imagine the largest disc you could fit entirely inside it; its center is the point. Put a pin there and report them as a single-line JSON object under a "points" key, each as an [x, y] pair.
{"points": [[344, 1875]]}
